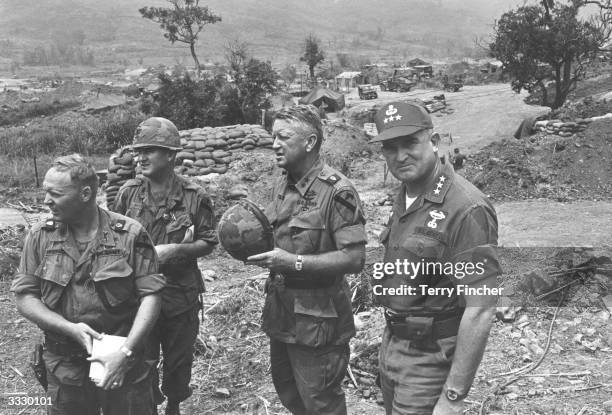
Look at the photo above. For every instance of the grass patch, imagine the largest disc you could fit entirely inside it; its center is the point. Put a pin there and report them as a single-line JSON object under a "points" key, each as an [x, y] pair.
{"points": [[78, 134], [20, 171]]}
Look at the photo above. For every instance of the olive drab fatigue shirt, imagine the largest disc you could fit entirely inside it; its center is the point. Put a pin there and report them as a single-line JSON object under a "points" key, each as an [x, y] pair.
{"points": [[453, 223], [320, 213], [101, 287], [187, 206]]}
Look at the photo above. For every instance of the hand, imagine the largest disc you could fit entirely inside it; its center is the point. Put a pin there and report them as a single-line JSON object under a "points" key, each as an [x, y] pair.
{"points": [[83, 334], [165, 252], [446, 407], [276, 260], [115, 366]]}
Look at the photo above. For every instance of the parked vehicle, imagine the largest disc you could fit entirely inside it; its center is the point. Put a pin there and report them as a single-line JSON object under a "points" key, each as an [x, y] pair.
{"points": [[367, 91], [400, 81]]}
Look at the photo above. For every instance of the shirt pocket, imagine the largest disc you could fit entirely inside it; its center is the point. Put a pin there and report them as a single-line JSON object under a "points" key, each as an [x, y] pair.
{"points": [[112, 278], [305, 230], [315, 320], [422, 247], [177, 228], [55, 272]]}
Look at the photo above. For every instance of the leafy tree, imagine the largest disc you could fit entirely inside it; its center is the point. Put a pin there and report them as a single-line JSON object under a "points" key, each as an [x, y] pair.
{"points": [[182, 22], [544, 43], [254, 80], [187, 102], [313, 54]]}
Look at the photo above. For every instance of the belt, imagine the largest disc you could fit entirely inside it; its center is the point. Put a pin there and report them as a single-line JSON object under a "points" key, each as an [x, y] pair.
{"points": [[423, 327], [305, 283], [71, 350]]}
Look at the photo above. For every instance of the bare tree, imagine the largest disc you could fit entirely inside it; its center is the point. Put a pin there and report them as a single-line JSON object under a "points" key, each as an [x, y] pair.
{"points": [[182, 22]]}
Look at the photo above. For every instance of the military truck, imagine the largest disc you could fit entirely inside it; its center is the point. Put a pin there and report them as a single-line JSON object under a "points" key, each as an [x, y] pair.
{"points": [[367, 91], [400, 81]]}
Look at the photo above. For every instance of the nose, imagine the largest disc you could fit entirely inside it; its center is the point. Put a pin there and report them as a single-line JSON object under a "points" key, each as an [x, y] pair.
{"points": [[276, 144], [47, 200], [402, 154]]}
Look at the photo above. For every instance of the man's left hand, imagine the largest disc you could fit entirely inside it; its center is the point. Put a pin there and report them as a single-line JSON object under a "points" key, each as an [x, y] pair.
{"points": [[277, 260], [446, 407], [115, 367]]}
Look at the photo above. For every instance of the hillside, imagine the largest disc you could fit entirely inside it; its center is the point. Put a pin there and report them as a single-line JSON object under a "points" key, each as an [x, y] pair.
{"points": [[275, 29]]}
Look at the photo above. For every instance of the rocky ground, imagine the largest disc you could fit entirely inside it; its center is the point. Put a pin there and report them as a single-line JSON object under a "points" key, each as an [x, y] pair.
{"points": [[573, 376]]}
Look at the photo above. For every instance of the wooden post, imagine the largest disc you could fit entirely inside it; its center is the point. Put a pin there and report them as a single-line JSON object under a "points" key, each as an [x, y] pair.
{"points": [[36, 171]]}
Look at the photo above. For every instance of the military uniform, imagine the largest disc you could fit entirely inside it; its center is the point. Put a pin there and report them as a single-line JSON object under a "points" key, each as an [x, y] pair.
{"points": [[168, 221], [309, 318], [453, 223], [99, 284]]}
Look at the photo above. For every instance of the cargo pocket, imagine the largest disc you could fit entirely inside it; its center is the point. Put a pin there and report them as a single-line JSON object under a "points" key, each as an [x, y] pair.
{"points": [[315, 320], [113, 283], [55, 271], [306, 230]]}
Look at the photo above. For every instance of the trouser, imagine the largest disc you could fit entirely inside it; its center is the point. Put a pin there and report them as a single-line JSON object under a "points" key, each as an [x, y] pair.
{"points": [[176, 335], [308, 379], [130, 399], [411, 378]]}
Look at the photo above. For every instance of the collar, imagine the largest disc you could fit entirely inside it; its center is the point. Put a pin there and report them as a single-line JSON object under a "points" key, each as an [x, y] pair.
{"points": [[308, 179], [435, 194], [174, 196]]}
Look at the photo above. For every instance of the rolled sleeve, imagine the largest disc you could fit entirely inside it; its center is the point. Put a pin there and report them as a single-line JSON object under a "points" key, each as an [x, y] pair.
{"points": [[147, 278], [26, 281], [347, 220], [475, 242]]}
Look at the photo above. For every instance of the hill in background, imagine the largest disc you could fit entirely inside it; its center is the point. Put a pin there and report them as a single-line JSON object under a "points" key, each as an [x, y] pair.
{"points": [[391, 30]]}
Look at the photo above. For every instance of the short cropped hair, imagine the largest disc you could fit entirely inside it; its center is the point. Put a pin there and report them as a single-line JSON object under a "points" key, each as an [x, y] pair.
{"points": [[81, 171], [307, 115]]}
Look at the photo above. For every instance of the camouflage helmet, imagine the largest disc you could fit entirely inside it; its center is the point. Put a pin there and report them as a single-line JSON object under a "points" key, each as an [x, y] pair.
{"points": [[244, 230], [157, 132]]}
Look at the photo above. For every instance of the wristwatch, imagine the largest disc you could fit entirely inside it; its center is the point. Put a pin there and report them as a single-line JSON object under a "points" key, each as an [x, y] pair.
{"points": [[127, 352], [454, 396], [299, 262]]}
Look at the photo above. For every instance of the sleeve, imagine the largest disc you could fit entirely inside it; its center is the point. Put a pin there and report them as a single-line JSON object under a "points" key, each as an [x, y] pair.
{"points": [[204, 221], [26, 282], [144, 259], [120, 205], [347, 219], [474, 249]]}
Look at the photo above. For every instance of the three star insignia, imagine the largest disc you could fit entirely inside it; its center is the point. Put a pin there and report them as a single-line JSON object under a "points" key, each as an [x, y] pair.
{"points": [[439, 185], [392, 118]]}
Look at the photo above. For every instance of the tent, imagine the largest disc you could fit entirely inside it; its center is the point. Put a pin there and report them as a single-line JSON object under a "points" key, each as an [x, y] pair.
{"points": [[333, 100]]}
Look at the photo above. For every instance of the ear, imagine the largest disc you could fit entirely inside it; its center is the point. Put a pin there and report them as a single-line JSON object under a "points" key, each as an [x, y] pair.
{"points": [[311, 142], [435, 140], [86, 194]]}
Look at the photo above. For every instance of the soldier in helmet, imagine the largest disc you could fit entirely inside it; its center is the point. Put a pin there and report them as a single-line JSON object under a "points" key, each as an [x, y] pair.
{"points": [[179, 217], [84, 272], [319, 237]]}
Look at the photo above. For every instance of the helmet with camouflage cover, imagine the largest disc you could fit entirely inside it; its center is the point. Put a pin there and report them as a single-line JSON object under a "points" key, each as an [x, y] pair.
{"points": [[157, 132], [244, 230]]}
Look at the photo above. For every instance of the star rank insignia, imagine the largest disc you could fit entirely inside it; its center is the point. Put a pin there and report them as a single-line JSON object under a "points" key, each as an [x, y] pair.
{"points": [[439, 185]]}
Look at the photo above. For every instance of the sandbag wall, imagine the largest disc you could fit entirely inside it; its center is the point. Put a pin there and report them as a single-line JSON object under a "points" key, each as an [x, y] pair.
{"points": [[121, 168], [211, 149], [562, 128]]}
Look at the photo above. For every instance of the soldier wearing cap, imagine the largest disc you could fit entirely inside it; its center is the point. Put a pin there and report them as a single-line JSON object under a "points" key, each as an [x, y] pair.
{"points": [[434, 341], [85, 272], [179, 217], [319, 236]]}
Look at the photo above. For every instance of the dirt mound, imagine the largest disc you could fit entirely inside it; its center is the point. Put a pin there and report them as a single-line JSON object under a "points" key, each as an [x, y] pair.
{"points": [[342, 143], [547, 166]]}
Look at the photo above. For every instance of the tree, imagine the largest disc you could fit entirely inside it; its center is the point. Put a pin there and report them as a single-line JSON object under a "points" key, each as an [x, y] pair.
{"points": [[253, 81], [548, 43], [182, 22], [313, 54]]}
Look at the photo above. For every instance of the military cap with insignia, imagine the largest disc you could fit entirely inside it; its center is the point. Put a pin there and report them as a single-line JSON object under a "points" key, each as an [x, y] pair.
{"points": [[401, 118]]}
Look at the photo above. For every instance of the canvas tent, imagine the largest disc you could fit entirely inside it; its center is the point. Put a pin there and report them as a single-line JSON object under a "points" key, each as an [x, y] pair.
{"points": [[332, 101]]}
